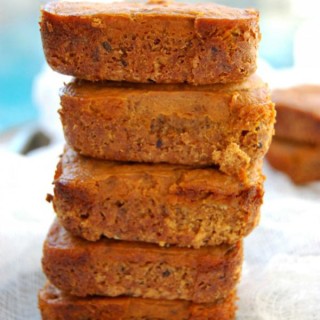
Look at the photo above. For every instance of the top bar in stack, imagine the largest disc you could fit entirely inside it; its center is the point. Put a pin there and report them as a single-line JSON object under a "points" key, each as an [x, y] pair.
{"points": [[156, 41]]}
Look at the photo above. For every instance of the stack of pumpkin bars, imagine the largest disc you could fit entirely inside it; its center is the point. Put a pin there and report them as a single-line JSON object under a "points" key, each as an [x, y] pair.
{"points": [[166, 128]]}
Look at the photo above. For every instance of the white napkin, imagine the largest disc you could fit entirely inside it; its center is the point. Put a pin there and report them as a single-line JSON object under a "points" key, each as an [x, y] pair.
{"points": [[281, 275], [24, 221]]}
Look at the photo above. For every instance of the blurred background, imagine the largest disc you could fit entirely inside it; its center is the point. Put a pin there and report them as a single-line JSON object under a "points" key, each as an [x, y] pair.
{"points": [[20, 61], [289, 29], [281, 274]]}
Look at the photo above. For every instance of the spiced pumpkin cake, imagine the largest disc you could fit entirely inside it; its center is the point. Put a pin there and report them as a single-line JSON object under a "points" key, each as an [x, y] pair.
{"points": [[115, 268], [300, 161], [164, 204], [298, 113], [155, 41], [229, 126], [57, 305]]}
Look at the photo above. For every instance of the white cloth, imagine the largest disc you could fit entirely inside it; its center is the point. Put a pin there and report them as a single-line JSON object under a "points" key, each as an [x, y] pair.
{"points": [[281, 274], [24, 221]]}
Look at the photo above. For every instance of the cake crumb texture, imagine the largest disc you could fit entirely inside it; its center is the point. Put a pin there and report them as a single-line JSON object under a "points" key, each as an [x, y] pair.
{"points": [[115, 268], [56, 305], [164, 204], [156, 41]]}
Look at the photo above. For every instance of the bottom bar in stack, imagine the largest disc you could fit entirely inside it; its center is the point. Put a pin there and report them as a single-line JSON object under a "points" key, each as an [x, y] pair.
{"points": [[56, 305]]}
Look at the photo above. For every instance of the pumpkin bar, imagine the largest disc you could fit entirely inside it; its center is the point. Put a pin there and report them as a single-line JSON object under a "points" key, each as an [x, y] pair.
{"points": [[155, 41], [298, 113], [164, 204], [300, 161], [229, 126], [114, 268], [57, 305]]}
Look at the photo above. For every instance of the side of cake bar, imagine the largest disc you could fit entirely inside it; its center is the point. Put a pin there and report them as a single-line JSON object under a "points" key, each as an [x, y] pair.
{"points": [[157, 41], [163, 204], [229, 126], [56, 305], [114, 268]]}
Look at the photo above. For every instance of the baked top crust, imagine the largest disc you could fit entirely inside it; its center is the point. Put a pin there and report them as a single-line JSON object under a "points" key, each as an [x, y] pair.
{"points": [[150, 8]]}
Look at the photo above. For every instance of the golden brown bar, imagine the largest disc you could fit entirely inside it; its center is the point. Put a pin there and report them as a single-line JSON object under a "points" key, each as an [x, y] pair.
{"points": [[300, 161], [157, 41], [56, 305], [225, 125], [163, 204], [298, 113], [114, 268]]}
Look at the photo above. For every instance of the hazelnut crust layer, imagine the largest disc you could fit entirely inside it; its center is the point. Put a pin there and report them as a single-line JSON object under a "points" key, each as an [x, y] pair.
{"points": [[229, 126], [56, 305], [114, 268], [156, 41], [164, 204]]}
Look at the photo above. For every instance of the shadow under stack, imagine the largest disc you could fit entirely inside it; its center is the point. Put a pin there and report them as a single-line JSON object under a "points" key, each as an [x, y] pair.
{"points": [[166, 128]]}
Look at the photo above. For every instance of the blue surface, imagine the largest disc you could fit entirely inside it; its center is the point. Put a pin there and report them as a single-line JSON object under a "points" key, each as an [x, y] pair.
{"points": [[276, 46], [21, 59]]}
